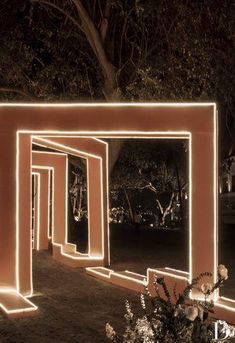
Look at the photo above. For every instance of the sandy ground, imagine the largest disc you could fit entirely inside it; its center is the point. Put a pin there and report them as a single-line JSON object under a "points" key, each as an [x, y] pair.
{"points": [[165, 248], [75, 307]]}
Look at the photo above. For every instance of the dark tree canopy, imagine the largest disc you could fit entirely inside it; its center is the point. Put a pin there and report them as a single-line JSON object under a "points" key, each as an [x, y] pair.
{"points": [[76, 50], [153, 172]]}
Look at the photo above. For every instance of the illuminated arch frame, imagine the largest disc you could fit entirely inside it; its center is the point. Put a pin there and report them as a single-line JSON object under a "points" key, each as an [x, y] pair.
{"points": [[58, 163], [41, 210], [204, 122]]}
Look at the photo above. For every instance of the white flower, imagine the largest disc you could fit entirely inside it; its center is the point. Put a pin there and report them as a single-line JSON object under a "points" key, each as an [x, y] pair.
{"points": [[191, 312], [200, 311], [223, 272], [142, 301], [206, 288], [144, 330], [110, 333]]}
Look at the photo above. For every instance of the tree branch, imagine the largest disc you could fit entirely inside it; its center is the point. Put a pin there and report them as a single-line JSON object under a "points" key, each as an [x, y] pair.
{"points": [[105, 22], [149, 186], [14, 90], [96, 43], [93, 36], [48, 3], [160, 206]]}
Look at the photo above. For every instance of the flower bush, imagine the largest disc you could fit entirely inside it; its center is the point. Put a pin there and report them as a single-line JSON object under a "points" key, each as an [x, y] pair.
{"points": [[164, 320]]}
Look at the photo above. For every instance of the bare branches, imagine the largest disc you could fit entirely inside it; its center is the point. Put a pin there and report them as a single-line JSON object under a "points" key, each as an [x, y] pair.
{"points": [[149, 186], [91, 33], [14, 90], [105, 22], [58, 8], [95, 40]]}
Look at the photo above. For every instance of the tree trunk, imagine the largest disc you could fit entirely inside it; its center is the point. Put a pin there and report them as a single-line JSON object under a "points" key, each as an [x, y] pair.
{"points": [[180, 192], [71, 221], [165, 212], [96, 40], [80, 203], [115, 147], [129, 205]]}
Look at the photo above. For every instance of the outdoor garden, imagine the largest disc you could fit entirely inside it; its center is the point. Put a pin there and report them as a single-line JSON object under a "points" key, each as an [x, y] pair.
{"points": [[83, 51]]}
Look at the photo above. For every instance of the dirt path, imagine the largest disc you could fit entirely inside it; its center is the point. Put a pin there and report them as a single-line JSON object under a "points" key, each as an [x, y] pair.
{"points": [[74, 307]]}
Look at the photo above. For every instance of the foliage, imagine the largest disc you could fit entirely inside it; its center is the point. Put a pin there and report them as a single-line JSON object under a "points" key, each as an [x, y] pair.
{"points": [[154, 170], [167, 321], [78, 188], [164, 50], [148, 51]]}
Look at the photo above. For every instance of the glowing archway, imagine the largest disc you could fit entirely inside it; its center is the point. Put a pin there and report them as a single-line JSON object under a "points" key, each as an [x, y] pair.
{"points": [[62, 250], [18, 127]]}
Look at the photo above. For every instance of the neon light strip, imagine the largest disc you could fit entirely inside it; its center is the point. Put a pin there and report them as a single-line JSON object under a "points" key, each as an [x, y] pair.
{"points": [[38, 134], [66, 199], [7, 289], [66, 148], [115, 274], [53, 207], [133, 273], [77, 257], [47, 152], [227, 299], [145, 281], [80, 255], [88, 206], [129, 278], [35, 166], [38, 210], [48, 169], [78, 152], [29, 309], [215, 148], [113, 104], [176, 270], [34, 228], [17, 214], [66, 206], [107, 195], [156, 271], [108, 229], [94, 270], [163, 133], [171, 135], [231, 309], [102, 220], [102, 205], [168, 104], [66, 192], [31, 229], [49, 180], [52, 185], [190, 210]]}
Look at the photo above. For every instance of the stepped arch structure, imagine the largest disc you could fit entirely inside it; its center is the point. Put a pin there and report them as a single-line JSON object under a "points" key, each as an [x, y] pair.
{"points": [[78, 129]]}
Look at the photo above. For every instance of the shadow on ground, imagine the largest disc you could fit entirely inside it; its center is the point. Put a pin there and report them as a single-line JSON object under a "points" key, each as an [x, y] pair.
{"points": [[75, 307], [148, 248], [166, 248]]}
